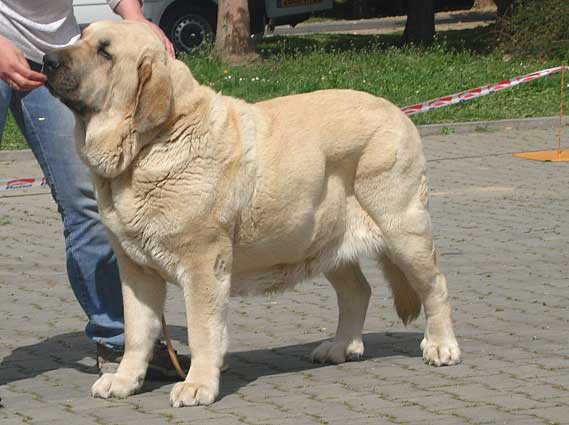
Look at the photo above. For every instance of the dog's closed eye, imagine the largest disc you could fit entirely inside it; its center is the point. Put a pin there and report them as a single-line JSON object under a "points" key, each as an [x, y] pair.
{"points": [[102, 49]]}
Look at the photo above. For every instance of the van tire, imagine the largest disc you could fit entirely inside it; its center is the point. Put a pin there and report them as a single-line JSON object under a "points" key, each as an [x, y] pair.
{"points": [[189, 27]]}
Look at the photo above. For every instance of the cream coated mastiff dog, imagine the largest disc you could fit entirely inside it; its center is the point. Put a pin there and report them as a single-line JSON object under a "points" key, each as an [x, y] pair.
{"points": [[222, 197]]}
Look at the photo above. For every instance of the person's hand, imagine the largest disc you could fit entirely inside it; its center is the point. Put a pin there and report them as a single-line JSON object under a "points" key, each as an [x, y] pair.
{"points": [[163, 37], [131, 10], [15, 70]]}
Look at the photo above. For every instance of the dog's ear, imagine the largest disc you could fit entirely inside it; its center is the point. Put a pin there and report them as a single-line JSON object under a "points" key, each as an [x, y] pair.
{"points": [[153, 102]]}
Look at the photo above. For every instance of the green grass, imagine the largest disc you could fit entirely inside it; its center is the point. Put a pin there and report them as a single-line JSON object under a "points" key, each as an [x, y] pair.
{"points": [[380, 65], [12, 138]]}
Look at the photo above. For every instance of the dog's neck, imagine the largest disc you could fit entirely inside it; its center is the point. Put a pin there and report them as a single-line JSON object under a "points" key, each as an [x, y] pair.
{"points": [[190, 110]]}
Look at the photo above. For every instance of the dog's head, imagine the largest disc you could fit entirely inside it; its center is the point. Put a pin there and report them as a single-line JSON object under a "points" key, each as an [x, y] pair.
{"points": [[117, 81]]}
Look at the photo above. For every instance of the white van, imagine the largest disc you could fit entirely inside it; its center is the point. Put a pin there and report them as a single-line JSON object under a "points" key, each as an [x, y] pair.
{"points": [[191, 23]]}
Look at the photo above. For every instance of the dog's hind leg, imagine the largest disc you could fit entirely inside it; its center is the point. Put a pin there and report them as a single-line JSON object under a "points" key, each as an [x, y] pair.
{"points": [[406, 227], [395, 195], [405, 299], [416, 256], [353, 292]]}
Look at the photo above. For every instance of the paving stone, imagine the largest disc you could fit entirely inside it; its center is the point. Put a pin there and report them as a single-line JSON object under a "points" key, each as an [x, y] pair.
{"points": [[515, 402], [542, 392], [440, 402], [361, 421], [222, 420], [413, 413], [450, 420], [48, 413], [369, 404], [558, 414]]}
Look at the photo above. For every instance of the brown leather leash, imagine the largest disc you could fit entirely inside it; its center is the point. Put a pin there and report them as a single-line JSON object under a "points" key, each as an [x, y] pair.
{"points": [[171, 351]]}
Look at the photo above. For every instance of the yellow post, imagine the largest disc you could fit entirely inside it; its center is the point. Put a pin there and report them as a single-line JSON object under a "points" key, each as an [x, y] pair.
{"points": [[561, 111]]}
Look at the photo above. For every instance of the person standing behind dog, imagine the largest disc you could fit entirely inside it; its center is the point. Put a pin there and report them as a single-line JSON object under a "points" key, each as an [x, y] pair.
{"points": [[28, 30]]}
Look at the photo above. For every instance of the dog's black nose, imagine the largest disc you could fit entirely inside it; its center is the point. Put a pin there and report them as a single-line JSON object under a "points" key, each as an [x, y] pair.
{"points": [[51, 61]]}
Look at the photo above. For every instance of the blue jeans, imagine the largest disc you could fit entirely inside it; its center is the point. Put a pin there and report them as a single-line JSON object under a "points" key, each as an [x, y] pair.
{"points": [[48, 127]]}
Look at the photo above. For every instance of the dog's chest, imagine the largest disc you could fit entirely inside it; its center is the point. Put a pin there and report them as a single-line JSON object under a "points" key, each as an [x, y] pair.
{"points": [[143, 223], [153, 212], [139, 231]]}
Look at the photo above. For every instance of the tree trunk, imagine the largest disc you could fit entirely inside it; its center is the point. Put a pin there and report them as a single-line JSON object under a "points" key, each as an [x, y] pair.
{"points": [[359, 9], [233, 43], [505, 8], [420, 26]]}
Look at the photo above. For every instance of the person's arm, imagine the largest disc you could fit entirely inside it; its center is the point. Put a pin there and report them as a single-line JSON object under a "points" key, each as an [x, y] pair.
{"points": [[132, 11], [14, 68]]}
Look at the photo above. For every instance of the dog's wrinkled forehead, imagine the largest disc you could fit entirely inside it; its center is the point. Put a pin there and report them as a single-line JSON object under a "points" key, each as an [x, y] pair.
{"points": [[124, 36]]}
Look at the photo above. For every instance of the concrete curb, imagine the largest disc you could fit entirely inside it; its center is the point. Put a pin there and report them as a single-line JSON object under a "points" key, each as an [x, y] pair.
{"points": [[384, 25], [20, 155], [483, 126], [425, 130]]}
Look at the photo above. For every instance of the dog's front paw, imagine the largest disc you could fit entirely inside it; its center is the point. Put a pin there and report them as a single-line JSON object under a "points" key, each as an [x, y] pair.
{"points": [[337, 352], [114, 385], [445, 353], [193, 394]]}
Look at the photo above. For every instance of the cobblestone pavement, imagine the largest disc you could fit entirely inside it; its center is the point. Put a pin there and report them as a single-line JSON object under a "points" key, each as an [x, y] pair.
{"points": [[503, 233]]}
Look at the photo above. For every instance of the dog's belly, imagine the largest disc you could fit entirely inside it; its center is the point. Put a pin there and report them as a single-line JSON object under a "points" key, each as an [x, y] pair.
{"points": [[274, 267], [292, 227]]}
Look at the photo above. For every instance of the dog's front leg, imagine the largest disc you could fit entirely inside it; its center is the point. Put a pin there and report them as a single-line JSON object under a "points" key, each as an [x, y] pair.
{"points": [[206, 284], [144, 293]]}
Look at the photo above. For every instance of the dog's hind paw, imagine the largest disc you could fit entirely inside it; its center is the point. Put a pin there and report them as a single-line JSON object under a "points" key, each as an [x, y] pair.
{"points": [[440, 354], [113, 385]]}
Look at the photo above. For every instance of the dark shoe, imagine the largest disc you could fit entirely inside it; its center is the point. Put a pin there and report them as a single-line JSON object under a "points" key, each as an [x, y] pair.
{"points": [[107, 359], [160, 367]]}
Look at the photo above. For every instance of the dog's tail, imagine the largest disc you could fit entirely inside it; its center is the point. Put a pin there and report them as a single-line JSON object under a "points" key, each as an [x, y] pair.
{"points": [[405, 299]]}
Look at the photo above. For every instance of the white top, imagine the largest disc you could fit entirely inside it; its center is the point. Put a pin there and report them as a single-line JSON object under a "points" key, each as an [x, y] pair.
{"points": [[38, 26]]}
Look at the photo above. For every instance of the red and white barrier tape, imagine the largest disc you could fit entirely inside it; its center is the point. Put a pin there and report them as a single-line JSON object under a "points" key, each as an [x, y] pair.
{"points": [[477, 92], [25, 183], [439, 102]]}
